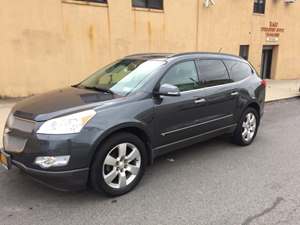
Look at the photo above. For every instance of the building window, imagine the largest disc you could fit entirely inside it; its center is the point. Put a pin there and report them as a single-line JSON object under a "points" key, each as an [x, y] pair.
{"points": [[97, 1], [150, 4], [244, 51], [259, 6]]}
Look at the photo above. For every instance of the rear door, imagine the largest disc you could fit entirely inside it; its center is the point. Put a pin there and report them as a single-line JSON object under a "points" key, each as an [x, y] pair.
{"points": [[219, 93]]}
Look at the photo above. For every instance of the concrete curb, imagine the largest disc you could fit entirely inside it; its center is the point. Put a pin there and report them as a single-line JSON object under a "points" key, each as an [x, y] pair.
{"points": [[282, 99]]}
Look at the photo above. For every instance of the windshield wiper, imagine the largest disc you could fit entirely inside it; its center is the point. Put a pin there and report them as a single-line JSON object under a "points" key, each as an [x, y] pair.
{"points": [[95, 88]]}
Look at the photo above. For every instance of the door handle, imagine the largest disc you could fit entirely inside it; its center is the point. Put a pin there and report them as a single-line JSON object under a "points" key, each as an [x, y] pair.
{"points": [[235, 93], [201, 100]]}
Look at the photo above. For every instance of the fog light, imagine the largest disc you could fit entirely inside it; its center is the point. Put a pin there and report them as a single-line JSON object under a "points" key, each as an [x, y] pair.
{"points": [[52, 161]]}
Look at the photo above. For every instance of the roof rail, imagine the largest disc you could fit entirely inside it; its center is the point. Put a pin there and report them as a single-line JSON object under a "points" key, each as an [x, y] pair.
{"points": [[171, 55], [185, 53], [149, 54], [196, 53]]}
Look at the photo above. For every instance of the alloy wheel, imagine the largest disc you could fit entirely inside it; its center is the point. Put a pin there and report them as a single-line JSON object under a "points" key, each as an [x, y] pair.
{"points": [[249, 127], [121, 165]]}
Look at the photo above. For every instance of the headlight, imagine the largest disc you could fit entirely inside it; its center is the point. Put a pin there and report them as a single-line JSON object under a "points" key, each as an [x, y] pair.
{"points": [[69, 124]]}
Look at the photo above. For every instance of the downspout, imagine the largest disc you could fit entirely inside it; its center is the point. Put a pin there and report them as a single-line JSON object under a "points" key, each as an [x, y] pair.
{"points": [[197, 25]]}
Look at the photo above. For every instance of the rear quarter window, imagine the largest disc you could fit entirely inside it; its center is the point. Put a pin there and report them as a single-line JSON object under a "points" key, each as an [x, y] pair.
{"points": [[238, 70]]}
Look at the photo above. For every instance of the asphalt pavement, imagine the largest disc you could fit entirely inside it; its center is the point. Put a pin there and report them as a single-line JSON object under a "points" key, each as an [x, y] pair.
{"points": [[213, 183]]}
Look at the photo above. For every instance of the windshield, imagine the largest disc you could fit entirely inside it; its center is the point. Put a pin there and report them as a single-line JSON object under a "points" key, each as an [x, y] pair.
{"points": [[123, 76]]}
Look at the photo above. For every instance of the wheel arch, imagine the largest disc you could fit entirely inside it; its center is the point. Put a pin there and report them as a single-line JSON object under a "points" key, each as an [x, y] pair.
{"points": [[255, 106], [132, 127]]}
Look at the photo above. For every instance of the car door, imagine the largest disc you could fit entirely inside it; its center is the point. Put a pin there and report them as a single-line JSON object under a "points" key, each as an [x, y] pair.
{"points": [[207, 102], [219, 93], [175, 116]]}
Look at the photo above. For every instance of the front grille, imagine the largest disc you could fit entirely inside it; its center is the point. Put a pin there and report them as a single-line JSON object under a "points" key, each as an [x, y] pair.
{"points": [[13, 143], [20, 124], [16, 133]]}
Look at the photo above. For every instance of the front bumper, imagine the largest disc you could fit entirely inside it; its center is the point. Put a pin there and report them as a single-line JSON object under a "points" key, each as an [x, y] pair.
{"points": [[23, 146], [72, 180]]}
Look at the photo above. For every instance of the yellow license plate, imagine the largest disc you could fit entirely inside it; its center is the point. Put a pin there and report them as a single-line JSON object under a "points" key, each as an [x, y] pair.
{"points": [[4, 160]]}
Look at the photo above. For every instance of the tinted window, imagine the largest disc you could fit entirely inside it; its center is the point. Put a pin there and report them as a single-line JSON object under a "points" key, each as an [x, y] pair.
{"points": [[238, 70], [152, 4], [212, 72], [183, 75]]}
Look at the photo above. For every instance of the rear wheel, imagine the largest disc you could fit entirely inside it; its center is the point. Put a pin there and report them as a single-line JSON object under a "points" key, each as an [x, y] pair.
{"points": [[247, 128], [119, 165]]}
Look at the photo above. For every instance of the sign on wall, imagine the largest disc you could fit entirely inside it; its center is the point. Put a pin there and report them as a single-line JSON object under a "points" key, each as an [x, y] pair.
{"points": [[273, 31]]}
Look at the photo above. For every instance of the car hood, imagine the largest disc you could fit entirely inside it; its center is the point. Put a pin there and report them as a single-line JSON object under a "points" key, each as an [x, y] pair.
{"points": [[60, 102]]}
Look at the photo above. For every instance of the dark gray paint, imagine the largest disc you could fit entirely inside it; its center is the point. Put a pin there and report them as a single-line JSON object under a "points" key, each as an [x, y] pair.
{"points": [[165, 123]]}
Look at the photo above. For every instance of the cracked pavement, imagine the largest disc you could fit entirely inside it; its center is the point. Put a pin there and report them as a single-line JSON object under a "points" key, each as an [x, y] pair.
{"points": [[213, 183]]}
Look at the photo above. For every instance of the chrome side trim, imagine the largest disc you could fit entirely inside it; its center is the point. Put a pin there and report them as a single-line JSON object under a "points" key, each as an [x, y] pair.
{"points": [[196, 125], [26, 120], [17, 123], [193, 137]]}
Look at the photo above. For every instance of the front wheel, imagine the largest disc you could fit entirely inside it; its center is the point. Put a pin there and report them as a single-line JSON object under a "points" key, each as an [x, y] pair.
{"points": [[247, 128], [119, 164]]}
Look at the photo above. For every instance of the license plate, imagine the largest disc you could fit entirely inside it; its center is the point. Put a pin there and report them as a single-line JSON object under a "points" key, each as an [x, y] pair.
{"points": [[5, 160]]}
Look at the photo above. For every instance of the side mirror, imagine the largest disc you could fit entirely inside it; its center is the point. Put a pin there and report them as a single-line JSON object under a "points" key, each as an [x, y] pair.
{"points": [[168, 90]]}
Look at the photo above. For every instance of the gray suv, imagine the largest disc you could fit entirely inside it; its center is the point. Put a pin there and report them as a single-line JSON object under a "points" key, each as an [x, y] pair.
{"points": [[106, 129]]}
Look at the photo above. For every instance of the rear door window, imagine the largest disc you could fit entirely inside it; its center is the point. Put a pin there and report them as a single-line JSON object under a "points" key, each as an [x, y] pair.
{"points": [[238, 70], [212, 73]]}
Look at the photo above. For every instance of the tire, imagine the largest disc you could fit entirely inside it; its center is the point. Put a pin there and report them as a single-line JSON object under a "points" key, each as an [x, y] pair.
{"points": [[119, 164], [242, 137]]}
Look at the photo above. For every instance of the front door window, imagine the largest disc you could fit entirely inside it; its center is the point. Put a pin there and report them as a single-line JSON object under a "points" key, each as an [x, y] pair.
{"points": [[183, 75]]}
